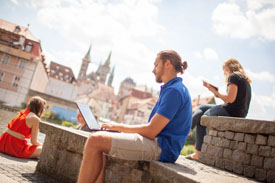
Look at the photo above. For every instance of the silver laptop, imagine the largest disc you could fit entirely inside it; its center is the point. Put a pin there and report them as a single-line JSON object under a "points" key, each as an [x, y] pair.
{"points": [[90, 118]]}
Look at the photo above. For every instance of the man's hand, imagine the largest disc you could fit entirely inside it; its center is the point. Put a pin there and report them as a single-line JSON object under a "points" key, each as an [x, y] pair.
{"points": [[111, 126]]}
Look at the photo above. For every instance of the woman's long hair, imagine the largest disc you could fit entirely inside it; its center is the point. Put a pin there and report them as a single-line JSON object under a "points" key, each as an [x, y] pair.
{"points": [[235, 67]]}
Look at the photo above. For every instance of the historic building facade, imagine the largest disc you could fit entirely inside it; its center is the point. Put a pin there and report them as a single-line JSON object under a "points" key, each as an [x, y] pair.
{"points": [[22, 64]]}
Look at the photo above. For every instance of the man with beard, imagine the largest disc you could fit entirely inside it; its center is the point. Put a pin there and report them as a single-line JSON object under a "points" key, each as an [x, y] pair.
{"points": [[162, 138]]}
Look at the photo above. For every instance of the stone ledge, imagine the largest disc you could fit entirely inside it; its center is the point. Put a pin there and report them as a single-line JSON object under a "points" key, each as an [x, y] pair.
{"points": [[243, 125], [62, 154]]}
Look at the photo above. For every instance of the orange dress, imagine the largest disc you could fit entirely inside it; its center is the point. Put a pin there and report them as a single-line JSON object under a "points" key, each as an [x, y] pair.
{"points": [[14, 146]]}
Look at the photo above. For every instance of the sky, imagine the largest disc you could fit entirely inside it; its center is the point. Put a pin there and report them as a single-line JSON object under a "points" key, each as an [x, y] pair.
{"points": [[204, 33]]}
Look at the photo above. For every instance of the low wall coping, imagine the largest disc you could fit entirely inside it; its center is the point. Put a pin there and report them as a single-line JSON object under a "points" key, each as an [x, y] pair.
{"points": [[243, 125]]}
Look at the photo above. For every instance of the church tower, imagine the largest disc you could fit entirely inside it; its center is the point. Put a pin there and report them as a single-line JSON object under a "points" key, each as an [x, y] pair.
{"points": [[104, 69], [111, 77], [84, 66]]}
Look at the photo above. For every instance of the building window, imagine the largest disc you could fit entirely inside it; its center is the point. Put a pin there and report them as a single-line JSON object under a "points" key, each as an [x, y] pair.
{"points": [[15, 82], [6, 59], [1, 75], [22, 64], [28, 47]]}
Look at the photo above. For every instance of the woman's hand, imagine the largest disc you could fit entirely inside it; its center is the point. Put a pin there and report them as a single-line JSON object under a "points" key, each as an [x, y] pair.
{"points": [[214, 91]]}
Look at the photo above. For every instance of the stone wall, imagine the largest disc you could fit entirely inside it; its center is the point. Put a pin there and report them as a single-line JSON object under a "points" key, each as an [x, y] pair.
{"points": [[242, 146], [62, 155]]}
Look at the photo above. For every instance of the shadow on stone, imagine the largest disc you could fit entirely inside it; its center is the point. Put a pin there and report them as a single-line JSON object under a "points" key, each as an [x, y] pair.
{"points": [[17, 159]]}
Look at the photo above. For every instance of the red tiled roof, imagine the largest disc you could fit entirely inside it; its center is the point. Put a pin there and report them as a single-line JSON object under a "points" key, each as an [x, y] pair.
{"points": [[103, 93], [61, 72], [142, 102], [23, 31], [141, 94]]}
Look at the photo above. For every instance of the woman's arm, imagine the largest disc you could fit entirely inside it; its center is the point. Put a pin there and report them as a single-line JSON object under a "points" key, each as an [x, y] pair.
{"points": [[34, 124], [231, 95], [149, 130]]}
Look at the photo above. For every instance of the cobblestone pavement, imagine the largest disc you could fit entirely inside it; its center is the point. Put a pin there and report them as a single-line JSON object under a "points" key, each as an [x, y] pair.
{"points": [[13, 169]]}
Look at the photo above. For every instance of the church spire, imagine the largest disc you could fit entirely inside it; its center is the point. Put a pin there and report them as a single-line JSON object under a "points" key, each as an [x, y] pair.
{"points": [[111, 77], [108, 61], [88, 53], [84, 66]]}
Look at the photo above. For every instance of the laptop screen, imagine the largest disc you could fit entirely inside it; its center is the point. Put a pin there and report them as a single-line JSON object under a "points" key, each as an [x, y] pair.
{"points": [[88, 116]]}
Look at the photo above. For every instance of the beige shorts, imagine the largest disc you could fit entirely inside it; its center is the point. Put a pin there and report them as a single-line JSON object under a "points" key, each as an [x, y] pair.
{"points": [[132, 146]]}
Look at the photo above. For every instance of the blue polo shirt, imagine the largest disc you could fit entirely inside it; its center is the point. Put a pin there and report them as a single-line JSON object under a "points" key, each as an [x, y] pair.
{"points": [[174, 103]]}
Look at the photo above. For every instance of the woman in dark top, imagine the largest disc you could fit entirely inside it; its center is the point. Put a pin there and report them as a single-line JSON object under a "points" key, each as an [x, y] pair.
{"points": [[237, 100]]}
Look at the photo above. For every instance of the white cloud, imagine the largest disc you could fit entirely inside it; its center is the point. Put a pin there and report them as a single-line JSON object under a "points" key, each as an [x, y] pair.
{"points": [[257, 20], [261, 76], [14, 1], [207, 54], [261, 106], [120, 27]]}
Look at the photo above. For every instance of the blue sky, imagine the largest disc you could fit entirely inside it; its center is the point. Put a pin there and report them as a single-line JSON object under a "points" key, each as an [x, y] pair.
{"points": [[205, 33]]}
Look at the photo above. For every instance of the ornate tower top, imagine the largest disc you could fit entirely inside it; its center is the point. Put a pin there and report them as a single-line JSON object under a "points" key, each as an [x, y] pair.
{"points": [[111, 77], [84, 66]]}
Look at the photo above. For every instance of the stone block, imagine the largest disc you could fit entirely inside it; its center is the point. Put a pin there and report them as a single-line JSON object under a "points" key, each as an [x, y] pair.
{"points": [[227, 153], [269, 163], [214, 151], [238, 124], [250, 139], [241, 146], [261, 139], [204, 148], [252, 149], [271, 176], [249, 171], [239, 137], [207, 139], [219, 163], [225, 143], [228, 165], [211, 150], [221, 134], [257, 161], [213, 132], [271, 141], [265, 151], [241, 157], [216, 141], [229, 135], [203, 157], [238, 168], [233, 144], [273, 152], [210, 161], [261, 174]]}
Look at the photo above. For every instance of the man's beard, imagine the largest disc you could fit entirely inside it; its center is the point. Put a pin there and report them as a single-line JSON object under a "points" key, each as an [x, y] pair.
{"points": [[158, 77]]}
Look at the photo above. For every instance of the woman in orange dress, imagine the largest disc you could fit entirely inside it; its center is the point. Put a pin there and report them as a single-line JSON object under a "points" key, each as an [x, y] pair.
{"points": [[24, 126]]}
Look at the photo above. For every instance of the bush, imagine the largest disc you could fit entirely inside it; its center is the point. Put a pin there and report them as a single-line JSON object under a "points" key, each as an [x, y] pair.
{"points": [[187, 149], [68, 124]]}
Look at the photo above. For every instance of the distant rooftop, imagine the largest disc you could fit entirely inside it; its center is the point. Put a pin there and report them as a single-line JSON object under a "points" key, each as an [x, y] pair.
{"points": [[17, 29], [61, 72]]}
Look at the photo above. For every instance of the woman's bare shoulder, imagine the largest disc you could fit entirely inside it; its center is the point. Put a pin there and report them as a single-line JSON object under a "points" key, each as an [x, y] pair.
{"points": [[33, 118]]}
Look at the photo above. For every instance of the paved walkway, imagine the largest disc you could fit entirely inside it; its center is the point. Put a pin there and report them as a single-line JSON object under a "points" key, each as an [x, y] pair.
{"points": [[13, 169], [20, 170]]}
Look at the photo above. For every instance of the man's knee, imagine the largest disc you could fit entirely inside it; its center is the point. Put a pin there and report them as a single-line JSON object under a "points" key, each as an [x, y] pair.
{"points": [[97, 142]]}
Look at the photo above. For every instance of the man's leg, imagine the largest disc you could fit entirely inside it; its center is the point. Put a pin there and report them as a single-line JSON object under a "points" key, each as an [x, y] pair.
{"points": [[92, 162], [101, 177]]}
